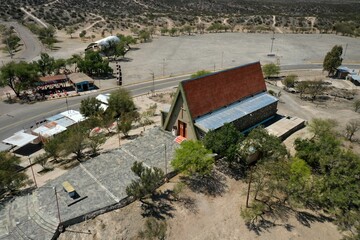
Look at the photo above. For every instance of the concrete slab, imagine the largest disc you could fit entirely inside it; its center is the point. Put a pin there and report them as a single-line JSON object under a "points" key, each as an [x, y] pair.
{"points": [[285, 127]]}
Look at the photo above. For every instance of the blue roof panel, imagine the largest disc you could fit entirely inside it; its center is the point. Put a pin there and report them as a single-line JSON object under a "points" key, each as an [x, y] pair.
{"points": [[55, 117], [234, 111]]}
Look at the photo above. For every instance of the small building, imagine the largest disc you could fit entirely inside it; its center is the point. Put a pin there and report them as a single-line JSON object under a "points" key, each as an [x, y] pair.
{"points": [[81, 82], [343, 72], [102, 43], [236, 95]]}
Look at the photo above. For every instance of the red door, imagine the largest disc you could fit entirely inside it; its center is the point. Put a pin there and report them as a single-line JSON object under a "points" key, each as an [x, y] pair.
{"points": [[182, 129]]}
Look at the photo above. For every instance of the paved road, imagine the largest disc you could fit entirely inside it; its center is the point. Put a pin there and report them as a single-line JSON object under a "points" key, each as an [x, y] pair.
{"points": [[16, 117], [32, 46]]}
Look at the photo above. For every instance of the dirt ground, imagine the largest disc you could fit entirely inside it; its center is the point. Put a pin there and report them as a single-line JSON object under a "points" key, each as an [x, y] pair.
{"points": [[203, 216]]}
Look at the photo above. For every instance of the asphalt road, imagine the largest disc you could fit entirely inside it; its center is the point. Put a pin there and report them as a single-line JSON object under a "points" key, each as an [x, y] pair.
{"points": [[15, 117], [31, 45]]}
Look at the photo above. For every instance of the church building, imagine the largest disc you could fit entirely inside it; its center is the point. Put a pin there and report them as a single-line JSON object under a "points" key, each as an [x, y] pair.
{"points": [[205, 103]]}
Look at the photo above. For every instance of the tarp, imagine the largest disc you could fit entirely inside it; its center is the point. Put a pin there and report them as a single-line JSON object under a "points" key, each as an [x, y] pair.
{"points": [[20, 139]]}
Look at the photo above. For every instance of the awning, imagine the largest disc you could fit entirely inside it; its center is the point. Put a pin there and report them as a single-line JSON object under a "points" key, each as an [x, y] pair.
{"points": [[20, 139]]}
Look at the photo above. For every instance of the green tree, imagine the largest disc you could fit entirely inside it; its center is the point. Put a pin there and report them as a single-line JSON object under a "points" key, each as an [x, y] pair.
{"points": [[82, 34], [144, 34], [70, 31], [200, 74], [223, 141], [127, 40], [94, 65], [154, 229], [271, 69], [94, 143], [299, 184], [53, 147], [302, 87], [333, 60], [90, 107], [351, 128], [75, 141], [58, 65], [193, 158], [10, 179], [120, 102], [45, 64], [18, 76], [148, 180], [289, 80], [9, 39], [124, 123]]}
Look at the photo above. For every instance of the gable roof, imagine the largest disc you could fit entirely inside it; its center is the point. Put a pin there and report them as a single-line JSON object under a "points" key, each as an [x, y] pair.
{"points": [[211, 92]]}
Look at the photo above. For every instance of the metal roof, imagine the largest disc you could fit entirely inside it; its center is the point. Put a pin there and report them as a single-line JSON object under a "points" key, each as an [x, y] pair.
{"points": [[234, 111], [73, 115], [20, 139], [65, 122], [355, 78], [4, 147], [104, 98], [54, 118]]}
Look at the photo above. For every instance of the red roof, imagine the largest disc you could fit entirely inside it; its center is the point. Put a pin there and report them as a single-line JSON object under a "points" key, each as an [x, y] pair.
{"points": [[53, 78], [211, 92]]}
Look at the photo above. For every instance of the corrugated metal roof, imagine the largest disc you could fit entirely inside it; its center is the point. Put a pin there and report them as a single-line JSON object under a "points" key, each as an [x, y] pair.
{"points": [[55, 117], [65, 122], [234, 111], [20, 139]]}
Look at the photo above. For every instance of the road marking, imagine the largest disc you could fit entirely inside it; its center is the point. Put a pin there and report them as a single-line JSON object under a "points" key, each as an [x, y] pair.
{"points": [[99, 183]]}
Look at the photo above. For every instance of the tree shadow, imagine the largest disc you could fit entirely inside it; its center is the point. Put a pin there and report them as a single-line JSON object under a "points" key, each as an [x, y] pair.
{"points": [[158, 209], [233, 170], [213, 185], [260, 226], [307, 219]]}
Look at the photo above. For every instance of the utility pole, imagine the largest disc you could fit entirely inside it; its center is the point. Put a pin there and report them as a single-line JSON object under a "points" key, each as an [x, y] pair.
{"points": [[153, 83], [346, 46], [67, 104], [248, 192], [163, 68], [57, 205], [32, 170], [272, 42]]}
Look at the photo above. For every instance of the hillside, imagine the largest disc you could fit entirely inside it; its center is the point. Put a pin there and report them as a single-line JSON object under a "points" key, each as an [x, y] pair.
{"points": [[316, 15]]}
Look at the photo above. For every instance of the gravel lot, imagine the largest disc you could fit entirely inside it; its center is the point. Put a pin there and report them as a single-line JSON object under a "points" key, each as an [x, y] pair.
{"points": [[166, 56]]}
